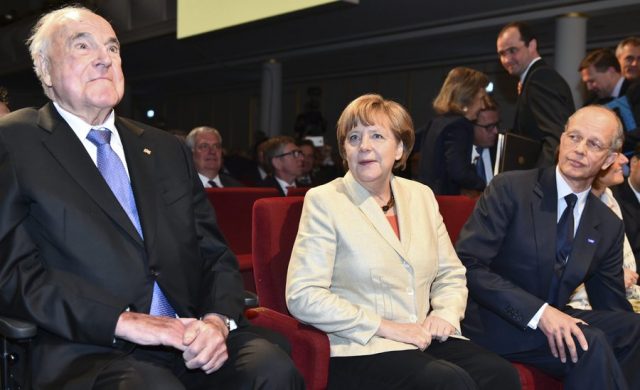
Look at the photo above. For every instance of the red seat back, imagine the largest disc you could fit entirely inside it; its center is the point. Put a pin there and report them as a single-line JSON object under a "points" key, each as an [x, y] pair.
{"points": [[234, 207], [297, 191], [275, 226], [455, 210]]}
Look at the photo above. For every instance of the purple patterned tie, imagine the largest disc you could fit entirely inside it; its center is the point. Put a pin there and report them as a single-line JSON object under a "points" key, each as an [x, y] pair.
{"points": [[114, 173]]}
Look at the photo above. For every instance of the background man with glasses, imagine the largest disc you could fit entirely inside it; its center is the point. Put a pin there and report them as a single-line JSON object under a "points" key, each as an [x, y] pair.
{"points": [[544, 98], [521, 271], [485, 136], [285, 160]]}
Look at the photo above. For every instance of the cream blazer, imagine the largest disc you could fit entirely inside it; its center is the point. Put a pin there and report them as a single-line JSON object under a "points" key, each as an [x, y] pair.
{"points": [[348, 269]]}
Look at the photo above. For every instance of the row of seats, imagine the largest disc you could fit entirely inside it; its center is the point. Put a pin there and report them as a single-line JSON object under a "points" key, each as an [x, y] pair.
{"points": [[233, 206], [275, 225]]}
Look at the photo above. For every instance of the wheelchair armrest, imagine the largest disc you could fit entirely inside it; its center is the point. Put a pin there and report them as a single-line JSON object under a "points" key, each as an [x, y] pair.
{"points": [[250, 300], [12, 328]]}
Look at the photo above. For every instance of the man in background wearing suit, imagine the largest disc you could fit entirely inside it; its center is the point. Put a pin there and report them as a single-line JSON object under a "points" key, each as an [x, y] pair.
{"points": [[206, 144], [108, 242], [544, 98], [284, 159], [485, 136], [628, 195], [520, 282], [628, 54], [600, 73]]}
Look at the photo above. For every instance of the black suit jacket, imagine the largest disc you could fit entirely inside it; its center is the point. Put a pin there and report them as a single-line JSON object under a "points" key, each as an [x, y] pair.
{"points": [[270, 181], [72, 261], [630, 208], [542, 109], [445, 156], [229, 181], [508, 248]]}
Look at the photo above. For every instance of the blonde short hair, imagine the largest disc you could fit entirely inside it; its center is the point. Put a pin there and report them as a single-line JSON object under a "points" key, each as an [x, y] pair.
{"points": [[459, 88], [374, 109]]}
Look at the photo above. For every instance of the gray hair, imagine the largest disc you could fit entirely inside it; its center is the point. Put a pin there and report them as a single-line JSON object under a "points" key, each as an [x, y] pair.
{"points": [[41, 35], [190, 140], [633, 41]]}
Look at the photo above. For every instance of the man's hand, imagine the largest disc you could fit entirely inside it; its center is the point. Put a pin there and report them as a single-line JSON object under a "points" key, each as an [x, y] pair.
{"points": [[559, 329], [206, 344], [630, 278], [438, 327], [144, 329], [409, 333]]}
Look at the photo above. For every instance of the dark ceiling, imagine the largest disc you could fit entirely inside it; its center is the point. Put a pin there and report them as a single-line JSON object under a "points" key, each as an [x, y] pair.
{"points": [[372, 36]]}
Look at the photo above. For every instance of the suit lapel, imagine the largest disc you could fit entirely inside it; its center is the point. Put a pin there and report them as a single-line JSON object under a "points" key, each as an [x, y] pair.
{"points": [[584, 246], [141, 163], [67, 149], [520, 104], [403, 211], [372, 212], [544, 205]]}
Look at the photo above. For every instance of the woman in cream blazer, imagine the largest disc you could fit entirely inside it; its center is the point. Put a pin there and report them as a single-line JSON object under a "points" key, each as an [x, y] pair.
{"points": [[374, 268]]}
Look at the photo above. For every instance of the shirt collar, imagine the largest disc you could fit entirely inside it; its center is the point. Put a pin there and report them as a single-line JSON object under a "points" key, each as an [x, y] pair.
{"points": [[616, 90], [283, 184], [564, 189], [82, 128], [526, 71]]}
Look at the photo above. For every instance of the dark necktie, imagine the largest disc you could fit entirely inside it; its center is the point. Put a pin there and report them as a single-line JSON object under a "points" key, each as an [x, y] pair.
{"points": [[213, 184], [564, 233], [480, 165], [564, 243], [114, 173]]}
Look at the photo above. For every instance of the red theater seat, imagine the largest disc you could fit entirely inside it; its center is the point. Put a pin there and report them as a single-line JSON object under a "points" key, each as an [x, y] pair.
{"points": [[455, 211], [233, 207], [275, 225]]}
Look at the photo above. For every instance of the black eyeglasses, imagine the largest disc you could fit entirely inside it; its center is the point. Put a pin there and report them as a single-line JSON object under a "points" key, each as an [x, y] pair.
{"points": [[495, 125], [295, 153]]}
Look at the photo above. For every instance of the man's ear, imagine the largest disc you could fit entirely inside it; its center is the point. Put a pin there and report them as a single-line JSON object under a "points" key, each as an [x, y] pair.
{"points": [[275, 163], [610, 159], [42, 64], [533, 45]]}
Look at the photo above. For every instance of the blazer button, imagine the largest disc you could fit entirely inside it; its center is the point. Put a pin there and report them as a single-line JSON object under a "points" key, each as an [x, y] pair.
{"points": [[154, 272]]}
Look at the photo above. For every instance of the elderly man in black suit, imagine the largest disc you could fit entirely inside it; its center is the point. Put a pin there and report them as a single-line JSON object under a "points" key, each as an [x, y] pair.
{"points": [[544, 98], [536, 235], [108, 242]]}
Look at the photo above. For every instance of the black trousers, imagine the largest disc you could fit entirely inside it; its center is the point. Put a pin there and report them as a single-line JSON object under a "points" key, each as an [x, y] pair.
{"points": [[257, 360], [612, 360], [453, 364]]}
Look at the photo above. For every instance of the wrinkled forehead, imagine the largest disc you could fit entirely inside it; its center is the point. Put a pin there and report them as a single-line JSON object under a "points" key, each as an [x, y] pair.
{"points": [[207, 137], [75, 23], [509, 37], [594, 122]]}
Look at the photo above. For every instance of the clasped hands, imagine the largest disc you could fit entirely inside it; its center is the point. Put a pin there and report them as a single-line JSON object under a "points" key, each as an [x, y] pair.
{"points": [[202, 342], [420, 335]]}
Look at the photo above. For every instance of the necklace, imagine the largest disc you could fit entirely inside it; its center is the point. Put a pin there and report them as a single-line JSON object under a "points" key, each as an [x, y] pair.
{"points": [[389, 204]]}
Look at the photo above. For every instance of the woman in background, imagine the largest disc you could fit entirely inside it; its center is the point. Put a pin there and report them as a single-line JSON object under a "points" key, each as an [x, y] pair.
{"points": [[445, 153], [374, 268], [610, 177]]}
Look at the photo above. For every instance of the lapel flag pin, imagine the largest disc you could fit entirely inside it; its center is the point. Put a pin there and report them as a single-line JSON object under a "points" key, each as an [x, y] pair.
{"points": [[591, 241], [146, 151]]}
